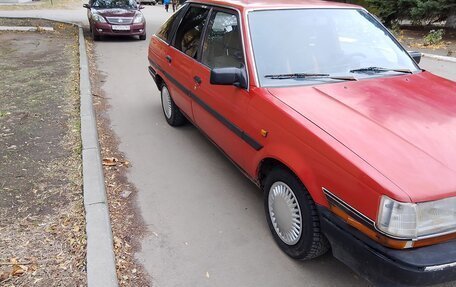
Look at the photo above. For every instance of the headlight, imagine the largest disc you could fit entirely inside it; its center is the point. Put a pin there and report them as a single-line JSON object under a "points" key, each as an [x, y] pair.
{"points": [[412, 221], [139, 18], [98, 18]]}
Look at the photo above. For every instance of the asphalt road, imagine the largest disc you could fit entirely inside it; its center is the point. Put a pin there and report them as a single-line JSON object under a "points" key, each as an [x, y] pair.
{"points": [[206, 220]]}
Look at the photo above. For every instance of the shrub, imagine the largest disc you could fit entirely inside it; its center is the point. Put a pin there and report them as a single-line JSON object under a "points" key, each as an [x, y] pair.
{"points": [[434, 37]]}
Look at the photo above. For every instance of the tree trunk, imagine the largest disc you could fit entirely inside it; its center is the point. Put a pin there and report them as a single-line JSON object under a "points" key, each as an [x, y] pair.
{"points": [[451, 20]]}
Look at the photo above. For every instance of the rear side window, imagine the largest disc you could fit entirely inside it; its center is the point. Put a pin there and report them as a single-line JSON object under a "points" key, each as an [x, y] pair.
{"points": [[165, 30], [188, 35], [223, 45]]}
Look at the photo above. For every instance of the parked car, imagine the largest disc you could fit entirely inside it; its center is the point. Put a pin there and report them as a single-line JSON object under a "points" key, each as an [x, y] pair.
{"points": [[318, 104], [116, 18]]}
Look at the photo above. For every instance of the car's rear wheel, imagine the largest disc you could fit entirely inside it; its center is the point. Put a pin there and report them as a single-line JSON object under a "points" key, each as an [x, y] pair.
{"points": [[173, 115], [292, 216]]}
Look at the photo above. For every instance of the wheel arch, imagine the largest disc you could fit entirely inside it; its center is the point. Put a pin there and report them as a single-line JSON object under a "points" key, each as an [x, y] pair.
{"points": [[300, 169], [159, 81]]}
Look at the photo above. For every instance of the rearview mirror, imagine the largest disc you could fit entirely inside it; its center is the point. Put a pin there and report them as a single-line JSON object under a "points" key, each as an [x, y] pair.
{"points": [[86, 6], [416, 56], [229, 76]]}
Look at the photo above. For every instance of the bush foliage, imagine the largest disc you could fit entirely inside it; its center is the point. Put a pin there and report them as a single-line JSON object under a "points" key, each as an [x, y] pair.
{"points": [[418, 11]]}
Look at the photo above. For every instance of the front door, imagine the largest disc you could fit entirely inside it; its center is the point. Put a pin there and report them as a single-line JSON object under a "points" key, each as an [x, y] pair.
{"points": [[220, 111]]}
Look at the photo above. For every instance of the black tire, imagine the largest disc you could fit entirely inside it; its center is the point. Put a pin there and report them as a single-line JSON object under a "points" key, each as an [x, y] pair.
{"points": [[95, 36], [312, 243], [142, 37], [175, 117]]}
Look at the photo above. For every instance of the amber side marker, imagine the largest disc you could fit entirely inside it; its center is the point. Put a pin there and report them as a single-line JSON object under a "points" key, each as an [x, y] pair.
{"points": [[383, 239]]}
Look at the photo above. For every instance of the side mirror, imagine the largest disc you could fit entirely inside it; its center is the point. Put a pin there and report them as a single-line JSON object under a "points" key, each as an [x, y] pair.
{"points": [[229, 76], [416, 56], [86, 6]]}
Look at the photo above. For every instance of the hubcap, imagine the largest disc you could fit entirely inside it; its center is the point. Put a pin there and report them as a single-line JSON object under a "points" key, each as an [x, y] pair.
{"points": [[166, 102], [285, 213]]}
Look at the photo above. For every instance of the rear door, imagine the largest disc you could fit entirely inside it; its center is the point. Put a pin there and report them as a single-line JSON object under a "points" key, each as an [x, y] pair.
{"points": [[182, 58], [161, 54]]}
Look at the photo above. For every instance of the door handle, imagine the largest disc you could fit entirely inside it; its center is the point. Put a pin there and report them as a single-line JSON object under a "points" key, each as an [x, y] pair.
{"points": [[169, 59], [197, 80]]}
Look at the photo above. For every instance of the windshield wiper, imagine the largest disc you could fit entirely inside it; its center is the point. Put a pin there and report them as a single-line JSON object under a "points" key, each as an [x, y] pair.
{"points": [[309, 76], [380, 70]]}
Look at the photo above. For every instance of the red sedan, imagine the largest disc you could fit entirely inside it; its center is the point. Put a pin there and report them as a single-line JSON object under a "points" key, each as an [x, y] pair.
{"points": [[317, 103]]}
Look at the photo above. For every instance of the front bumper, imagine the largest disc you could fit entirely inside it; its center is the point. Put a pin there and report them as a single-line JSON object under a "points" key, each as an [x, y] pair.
{"points": [[102, 29], [384, 266]]}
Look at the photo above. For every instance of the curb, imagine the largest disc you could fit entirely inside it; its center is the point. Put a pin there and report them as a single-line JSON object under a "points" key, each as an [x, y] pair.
{"points": [[438, 57], [26, 29], [101, 263]]}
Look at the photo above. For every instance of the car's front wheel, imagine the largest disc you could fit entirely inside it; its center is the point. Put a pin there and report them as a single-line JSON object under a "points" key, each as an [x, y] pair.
{"points": [[173, 115], [292, 216], [95, 36], [142, 37]]}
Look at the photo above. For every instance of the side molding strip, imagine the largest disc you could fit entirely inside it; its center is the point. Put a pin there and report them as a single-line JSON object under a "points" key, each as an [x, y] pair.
{"points": [[232, 127]]}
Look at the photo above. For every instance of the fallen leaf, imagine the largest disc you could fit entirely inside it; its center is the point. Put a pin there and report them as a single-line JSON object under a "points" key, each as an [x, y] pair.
{"points": [[110, 161], [18, 270], [117, 242]]}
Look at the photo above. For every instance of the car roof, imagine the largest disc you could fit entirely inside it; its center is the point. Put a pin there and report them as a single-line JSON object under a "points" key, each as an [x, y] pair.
{"points": [[274, 4]]}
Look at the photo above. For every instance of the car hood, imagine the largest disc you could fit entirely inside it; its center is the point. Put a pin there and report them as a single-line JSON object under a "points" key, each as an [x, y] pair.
{"points": [[403, 126], [116, 12]]}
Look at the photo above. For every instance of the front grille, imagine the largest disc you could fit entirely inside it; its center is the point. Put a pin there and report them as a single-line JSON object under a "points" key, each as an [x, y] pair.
{"points": [[119, 20]]}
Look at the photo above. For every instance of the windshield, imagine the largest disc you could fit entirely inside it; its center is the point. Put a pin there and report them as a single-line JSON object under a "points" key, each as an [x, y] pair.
{"points": [[335, 42], [125, 4]]}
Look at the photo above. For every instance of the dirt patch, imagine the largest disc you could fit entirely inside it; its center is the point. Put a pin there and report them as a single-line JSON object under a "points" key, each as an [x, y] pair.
{"points": [[413, 39], [127, 224], [41, 205]]}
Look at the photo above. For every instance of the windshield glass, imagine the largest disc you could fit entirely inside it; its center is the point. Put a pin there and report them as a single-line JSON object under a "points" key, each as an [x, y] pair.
{"points": [[125, 4], [335, 42]]}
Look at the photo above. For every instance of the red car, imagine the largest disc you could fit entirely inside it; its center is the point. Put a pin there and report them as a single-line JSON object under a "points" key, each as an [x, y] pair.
{"points": [[317, 103], [116, 18]]}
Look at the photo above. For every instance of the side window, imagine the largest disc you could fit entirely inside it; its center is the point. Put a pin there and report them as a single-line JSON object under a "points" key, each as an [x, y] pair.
{"points": [[223, 46], [165, 30], [188, 34]]}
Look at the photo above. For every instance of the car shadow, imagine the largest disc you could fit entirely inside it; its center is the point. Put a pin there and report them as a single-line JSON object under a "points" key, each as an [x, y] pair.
{"points": [[119, 39]]}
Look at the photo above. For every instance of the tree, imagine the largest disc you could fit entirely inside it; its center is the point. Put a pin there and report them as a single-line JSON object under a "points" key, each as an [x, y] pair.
{"points": [[451, 20], [418, 11]]}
